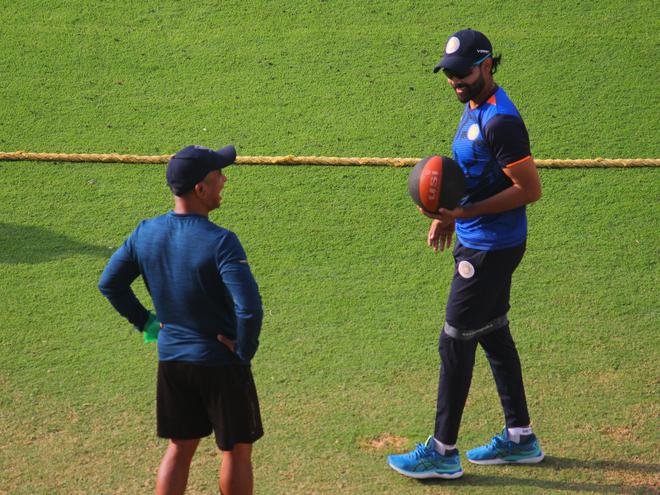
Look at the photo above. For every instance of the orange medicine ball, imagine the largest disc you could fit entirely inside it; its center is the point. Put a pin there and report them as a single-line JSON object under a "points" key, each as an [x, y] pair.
{"points": [[436, 182]]}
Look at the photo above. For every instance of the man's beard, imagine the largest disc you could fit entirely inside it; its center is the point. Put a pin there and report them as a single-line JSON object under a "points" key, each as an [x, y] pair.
{"points": [[471, 90]]}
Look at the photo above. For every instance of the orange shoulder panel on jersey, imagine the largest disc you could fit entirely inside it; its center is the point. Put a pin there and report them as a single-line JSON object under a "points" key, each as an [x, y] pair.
{"points": [[518, 161]]}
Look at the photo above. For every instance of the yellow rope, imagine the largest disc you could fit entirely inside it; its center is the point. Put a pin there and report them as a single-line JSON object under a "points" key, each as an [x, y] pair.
{"points": [[308, 160]]}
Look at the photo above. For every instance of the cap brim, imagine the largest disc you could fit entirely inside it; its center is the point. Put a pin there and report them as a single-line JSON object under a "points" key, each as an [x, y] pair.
{"points": [[454, 64], [228, 154]]}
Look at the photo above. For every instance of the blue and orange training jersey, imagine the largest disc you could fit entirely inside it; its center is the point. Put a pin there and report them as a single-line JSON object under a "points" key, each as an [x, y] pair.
{"points": [[490, 138]]}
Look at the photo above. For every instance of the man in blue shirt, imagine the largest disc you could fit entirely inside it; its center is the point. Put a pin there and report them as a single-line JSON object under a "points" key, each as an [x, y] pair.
{"points": [[208, 319], [492, 147]]}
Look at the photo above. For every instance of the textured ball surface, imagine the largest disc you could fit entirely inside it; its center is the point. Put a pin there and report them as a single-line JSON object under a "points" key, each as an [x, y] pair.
{"points": [[436, 182]]}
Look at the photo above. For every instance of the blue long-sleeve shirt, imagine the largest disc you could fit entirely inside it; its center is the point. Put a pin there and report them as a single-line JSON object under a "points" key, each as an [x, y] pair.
{"points": [[201, 285]]}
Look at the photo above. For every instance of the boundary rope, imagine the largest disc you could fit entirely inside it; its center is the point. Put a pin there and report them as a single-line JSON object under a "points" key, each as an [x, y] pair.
{"points": [[310, 160]]}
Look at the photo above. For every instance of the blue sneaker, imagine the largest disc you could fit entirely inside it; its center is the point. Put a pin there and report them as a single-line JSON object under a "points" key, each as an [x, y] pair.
{"points": [[501, 450], [426, 462]]}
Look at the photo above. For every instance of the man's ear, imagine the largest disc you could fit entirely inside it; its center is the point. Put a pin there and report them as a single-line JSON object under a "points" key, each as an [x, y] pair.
{"points": [[199, 188], [488, 65]]}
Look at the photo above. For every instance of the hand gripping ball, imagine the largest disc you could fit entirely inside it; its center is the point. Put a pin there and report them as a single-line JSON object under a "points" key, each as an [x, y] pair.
{"points": [[436, 182]]}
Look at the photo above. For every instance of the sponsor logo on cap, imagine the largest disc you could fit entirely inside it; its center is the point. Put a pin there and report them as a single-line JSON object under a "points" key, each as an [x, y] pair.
{"points": [[452, 45]]}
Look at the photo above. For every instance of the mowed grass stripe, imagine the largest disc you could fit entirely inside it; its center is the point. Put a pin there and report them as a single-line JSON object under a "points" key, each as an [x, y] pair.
{"points": [[353, 302], [319, 78]]}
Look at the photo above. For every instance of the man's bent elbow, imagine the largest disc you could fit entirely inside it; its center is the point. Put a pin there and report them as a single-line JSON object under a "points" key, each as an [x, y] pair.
{"points": [[109, 290], [250, 313], [532, 191], [104, 289], [535, 194]]}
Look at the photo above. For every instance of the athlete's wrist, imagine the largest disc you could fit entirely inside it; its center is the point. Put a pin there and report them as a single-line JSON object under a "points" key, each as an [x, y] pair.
{"points": [[461, 212]]}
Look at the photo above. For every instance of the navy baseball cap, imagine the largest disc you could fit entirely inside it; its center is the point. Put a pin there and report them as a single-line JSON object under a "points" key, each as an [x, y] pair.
{"points": [[190, 165], [464, 49]]}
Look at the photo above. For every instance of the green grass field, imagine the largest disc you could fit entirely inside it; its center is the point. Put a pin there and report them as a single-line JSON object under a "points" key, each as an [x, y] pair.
{"points": [[347, 369]]}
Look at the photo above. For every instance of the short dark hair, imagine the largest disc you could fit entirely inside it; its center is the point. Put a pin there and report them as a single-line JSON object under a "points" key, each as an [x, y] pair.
{"points": [[497, 59]]}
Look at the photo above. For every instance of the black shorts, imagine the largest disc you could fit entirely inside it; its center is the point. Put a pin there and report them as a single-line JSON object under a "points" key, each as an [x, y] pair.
{"points": [[193, 400], [479, 296]]}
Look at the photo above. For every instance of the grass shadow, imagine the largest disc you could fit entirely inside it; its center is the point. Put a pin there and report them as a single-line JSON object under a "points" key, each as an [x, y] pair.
{"points": [[30, 244], [635, 478]]}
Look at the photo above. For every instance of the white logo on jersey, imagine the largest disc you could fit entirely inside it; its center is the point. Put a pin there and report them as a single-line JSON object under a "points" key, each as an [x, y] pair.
{"points": [[452, 45], [465, 269], [473, 132]]}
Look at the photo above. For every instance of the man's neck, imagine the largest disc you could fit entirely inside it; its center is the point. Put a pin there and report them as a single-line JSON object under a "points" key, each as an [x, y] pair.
{"points": [[487, 92], [182, 206]]}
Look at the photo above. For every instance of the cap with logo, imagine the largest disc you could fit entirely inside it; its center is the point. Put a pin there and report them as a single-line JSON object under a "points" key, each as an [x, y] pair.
{"points": [[464, 49], [190, 165]]}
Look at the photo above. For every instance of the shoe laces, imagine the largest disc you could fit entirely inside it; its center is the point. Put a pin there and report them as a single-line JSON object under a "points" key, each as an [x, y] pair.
{"points": [[500, 443], [423, 450]]}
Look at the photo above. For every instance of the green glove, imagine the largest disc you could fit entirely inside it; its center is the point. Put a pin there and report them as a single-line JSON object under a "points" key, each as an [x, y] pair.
{"points": [[151, 329]]}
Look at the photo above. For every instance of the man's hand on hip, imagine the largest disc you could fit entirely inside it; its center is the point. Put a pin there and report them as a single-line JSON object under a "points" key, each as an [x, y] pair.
{"points": [[231, 344]]}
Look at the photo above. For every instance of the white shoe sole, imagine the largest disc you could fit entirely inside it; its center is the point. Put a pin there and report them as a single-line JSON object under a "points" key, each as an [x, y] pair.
{"points": [[428, 475], [529, 460]]}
